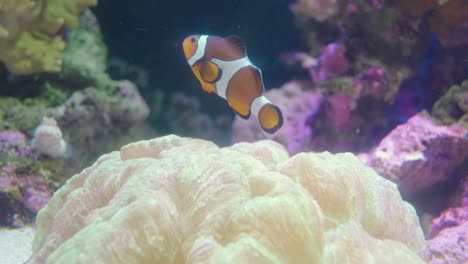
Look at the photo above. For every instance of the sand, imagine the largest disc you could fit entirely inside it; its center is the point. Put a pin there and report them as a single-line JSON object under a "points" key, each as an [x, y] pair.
{"points": [[15, 245]]}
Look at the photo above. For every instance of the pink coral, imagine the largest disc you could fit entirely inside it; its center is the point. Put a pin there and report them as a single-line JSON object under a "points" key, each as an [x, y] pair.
{"points": [[332, 62]]}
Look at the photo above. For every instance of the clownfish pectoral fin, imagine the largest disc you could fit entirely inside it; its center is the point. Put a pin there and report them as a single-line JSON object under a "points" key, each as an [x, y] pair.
{"points": [[208, 87], [210, 72], [238, 44]]}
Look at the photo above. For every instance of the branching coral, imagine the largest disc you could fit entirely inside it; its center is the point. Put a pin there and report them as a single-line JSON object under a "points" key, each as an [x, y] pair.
{"points": [[29, 42], [182, 200]]}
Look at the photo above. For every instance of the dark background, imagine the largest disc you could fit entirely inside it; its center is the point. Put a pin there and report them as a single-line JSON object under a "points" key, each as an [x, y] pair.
{"points": [[149, 34]]}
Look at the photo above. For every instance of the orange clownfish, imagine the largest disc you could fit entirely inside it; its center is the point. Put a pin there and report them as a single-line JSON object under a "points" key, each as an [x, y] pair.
{"points": [[221, 66]]}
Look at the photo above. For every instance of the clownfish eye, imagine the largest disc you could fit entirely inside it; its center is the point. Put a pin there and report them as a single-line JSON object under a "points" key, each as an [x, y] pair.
{"points": [[192, 40]]}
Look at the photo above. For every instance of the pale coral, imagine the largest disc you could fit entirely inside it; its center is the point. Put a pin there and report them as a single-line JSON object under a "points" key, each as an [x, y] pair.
{"points": [[182, 200], [48, 139]]}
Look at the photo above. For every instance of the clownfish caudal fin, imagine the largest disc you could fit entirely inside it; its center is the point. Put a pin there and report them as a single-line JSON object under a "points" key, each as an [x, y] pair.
{"points": [[269, 115]]}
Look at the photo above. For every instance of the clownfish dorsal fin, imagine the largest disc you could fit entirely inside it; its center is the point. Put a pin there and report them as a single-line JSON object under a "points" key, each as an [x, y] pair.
{"points": [[237, 43]]}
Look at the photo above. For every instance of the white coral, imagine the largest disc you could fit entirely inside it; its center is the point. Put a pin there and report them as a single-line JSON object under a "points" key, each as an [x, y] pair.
{"points": [[182, 200], [48, 139]]}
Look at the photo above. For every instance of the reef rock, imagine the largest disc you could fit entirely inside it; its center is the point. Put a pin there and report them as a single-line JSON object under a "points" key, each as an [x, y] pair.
{"points": [[419, 153], [448, 238], [183, 200], [24, 189], [450, 246]]}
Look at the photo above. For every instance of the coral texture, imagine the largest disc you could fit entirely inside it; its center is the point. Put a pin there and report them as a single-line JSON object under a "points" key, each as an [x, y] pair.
{"points": [[29, 39], [182, 200], [418, 154]]}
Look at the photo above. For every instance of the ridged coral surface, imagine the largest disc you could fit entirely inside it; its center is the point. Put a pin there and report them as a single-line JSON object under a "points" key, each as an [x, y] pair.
{"points": [[183, 200]]}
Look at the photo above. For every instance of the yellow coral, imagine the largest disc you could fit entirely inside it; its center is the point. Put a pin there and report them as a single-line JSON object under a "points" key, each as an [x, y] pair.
{"points": [[27, 29], [444, 16], [182, 200]]}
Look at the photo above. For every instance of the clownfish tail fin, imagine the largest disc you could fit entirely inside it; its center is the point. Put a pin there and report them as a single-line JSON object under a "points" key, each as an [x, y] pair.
{"points": [[269, 115]]}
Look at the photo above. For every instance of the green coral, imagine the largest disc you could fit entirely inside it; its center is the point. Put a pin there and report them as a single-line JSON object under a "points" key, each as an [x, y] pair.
{"points": [[20, 115], [28, 28], [84, 58], [453, 106]]}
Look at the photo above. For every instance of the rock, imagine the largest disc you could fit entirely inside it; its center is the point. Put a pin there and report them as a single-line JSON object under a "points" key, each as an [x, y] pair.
{"points": [[418, 154]]}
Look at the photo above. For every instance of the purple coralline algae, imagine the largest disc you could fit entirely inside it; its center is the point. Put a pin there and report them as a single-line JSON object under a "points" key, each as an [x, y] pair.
{"points": [[24, 189], [331, 63], [448, 238], [419, 153], [10, 139]]}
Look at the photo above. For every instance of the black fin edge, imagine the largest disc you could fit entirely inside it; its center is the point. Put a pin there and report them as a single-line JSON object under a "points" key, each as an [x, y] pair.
{"points": [[243, 116], [280, 121], [220, 73]]}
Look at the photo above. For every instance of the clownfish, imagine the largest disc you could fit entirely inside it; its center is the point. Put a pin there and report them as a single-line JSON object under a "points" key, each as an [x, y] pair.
{"points": [[221, 66]]}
